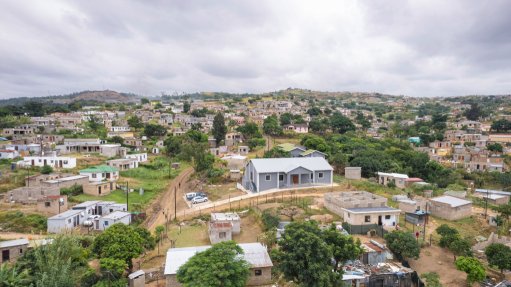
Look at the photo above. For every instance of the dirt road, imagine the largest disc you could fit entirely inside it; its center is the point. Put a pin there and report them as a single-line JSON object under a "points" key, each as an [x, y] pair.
{"points": [[163, 205]]}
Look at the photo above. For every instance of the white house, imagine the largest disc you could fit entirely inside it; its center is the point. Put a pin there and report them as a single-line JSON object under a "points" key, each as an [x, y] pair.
{"points": [[140, 157], [53, 161], [101, 173], [65, 221], [9, 154], [112, 218], [120, 129]]}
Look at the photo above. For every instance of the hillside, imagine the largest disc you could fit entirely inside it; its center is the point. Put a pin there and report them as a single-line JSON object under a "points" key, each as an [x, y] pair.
{"points": [[91, 97]]}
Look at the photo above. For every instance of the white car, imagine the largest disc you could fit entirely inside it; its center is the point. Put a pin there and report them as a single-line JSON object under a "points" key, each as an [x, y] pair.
{"points": [[199, 199]]}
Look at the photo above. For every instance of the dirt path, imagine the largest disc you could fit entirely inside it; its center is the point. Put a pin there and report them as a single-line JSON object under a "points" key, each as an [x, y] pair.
{"points": [[16, 235], [441, 261], [164, 204]]}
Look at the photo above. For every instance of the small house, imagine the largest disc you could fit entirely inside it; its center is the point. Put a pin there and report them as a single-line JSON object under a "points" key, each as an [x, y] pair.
{"points": [[53, 161], [9, 154], [450, 208], [243, 150], [352, 172], [52, 204], [112, 218], [12, 250], [101, 173], [65, 221], [123, 163], [396, 178], [254, 253]]}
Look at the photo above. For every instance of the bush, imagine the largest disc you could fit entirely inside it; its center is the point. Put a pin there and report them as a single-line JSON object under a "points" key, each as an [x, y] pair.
{"points": [[46, 169], [432, 279], [72, 190], [270, 220]]}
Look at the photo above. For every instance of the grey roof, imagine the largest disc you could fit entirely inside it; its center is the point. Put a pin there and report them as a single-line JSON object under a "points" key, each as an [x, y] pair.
{"points": [[12, 243], [136, 274], [493, 191], [451, 200], [373, 209], [66, 214], [265, 165], [254, 253], [86, 204], [116, 215]]}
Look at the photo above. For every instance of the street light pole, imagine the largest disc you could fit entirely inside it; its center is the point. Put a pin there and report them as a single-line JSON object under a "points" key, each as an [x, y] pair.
{"points": [[127, 193]]}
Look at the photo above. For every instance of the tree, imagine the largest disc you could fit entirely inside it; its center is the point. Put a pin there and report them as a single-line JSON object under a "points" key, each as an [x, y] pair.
{"points": [[203, 161], [276, 152], [499, 255], [505, 210], [119, 241], [270, 221], [473, 268], [341, 124], [304, 257], [286, 118], [220, 265], [144, 101], [314, 111], [112, 269], [46, 169], [319, 125], [343, 247], [135, 122], [249, 130], [461, 247], [219, 128], [173, 145], [474, 113], [186, 107], [402, 244], [147, 238], [255, 142], [271, 126], [154, 130], [501, 126], [495, 147], [117, 139], [447, 235], [93, 123]]}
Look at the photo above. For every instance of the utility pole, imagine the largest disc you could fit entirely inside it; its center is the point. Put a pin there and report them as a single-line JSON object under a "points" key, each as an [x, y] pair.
{"points": [[175, 203], [425, 222], [127, 193], [486, 205]]}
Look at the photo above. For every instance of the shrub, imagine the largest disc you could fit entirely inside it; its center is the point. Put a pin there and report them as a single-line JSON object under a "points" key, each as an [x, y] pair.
{"points": [[46, 169], [270, 220]]}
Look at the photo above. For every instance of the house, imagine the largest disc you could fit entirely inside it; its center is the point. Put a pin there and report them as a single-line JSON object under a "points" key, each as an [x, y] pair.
{"points": [[235, 161], [112, 218], [398, 179], [52, 204], [53, 161], [123, 163], [232, 139], [243, 150], [496, 197], [223, 225], [139, 157], [254, 253], [30, 194], [280, 173], [297, 128], [352, 172], [101, 173], [9, 154], [12, 250], [65, 221], [112, 150], [374, 253], [450, 208], [359, 208], [66, 181]]}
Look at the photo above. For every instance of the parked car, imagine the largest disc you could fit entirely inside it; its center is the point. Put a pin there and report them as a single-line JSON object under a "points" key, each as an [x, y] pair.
{"points": [[199, 199], [191, 195]]}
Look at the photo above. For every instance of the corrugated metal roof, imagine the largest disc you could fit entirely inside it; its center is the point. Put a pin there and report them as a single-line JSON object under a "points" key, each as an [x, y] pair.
{"points": [[99, 168], [254, 253], [451, 200], [373, 209], [264, 165], [12, 243]]}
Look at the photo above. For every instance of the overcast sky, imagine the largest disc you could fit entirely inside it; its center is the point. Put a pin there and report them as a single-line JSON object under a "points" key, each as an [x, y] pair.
{"points": [[415, 48]]}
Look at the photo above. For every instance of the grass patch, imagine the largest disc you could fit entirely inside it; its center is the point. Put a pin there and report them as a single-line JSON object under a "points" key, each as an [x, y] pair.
{"points": [[17, 221], [190, 235], [153, 177]]}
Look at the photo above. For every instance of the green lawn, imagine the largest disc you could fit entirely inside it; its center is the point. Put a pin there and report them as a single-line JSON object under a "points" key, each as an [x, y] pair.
{"points": [[152, 177]]}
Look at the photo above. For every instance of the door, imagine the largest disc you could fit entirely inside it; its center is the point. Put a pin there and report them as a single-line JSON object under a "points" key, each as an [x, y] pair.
{"points": [[45, 162], [295, 178], [6, 256], [379, 220], [99, 190]]}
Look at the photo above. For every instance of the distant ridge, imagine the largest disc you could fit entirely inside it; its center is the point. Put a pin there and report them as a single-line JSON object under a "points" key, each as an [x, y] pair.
{"points": [[106, 96]]}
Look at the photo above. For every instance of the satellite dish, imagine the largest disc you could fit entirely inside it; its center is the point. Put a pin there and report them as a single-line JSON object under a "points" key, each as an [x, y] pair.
{"points": [[61, 201]]}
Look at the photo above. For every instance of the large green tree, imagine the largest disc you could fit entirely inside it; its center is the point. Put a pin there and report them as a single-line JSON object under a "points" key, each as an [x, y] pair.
{"points": [[135, 122], [344, 247], [304, 256], [119, 241], [154, 130], [221, 265], [271, 126], [473, 267], [219, 128], [499, 255], [341, 124], [249, 130], [403, 244]]}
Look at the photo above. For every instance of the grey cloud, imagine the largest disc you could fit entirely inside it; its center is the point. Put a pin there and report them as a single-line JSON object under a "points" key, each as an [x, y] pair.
{"points": [[418, 48]]}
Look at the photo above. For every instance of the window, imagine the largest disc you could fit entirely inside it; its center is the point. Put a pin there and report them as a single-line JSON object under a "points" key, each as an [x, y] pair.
{"points": [[222, 235], [258, 272], [387, 216], [268, 177], [251, 177], [93, 175], [69, 220], [21, 251], [312, 176], [320, 175], [106, 223], [47, 204], [281, 177], [367, 218]]}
